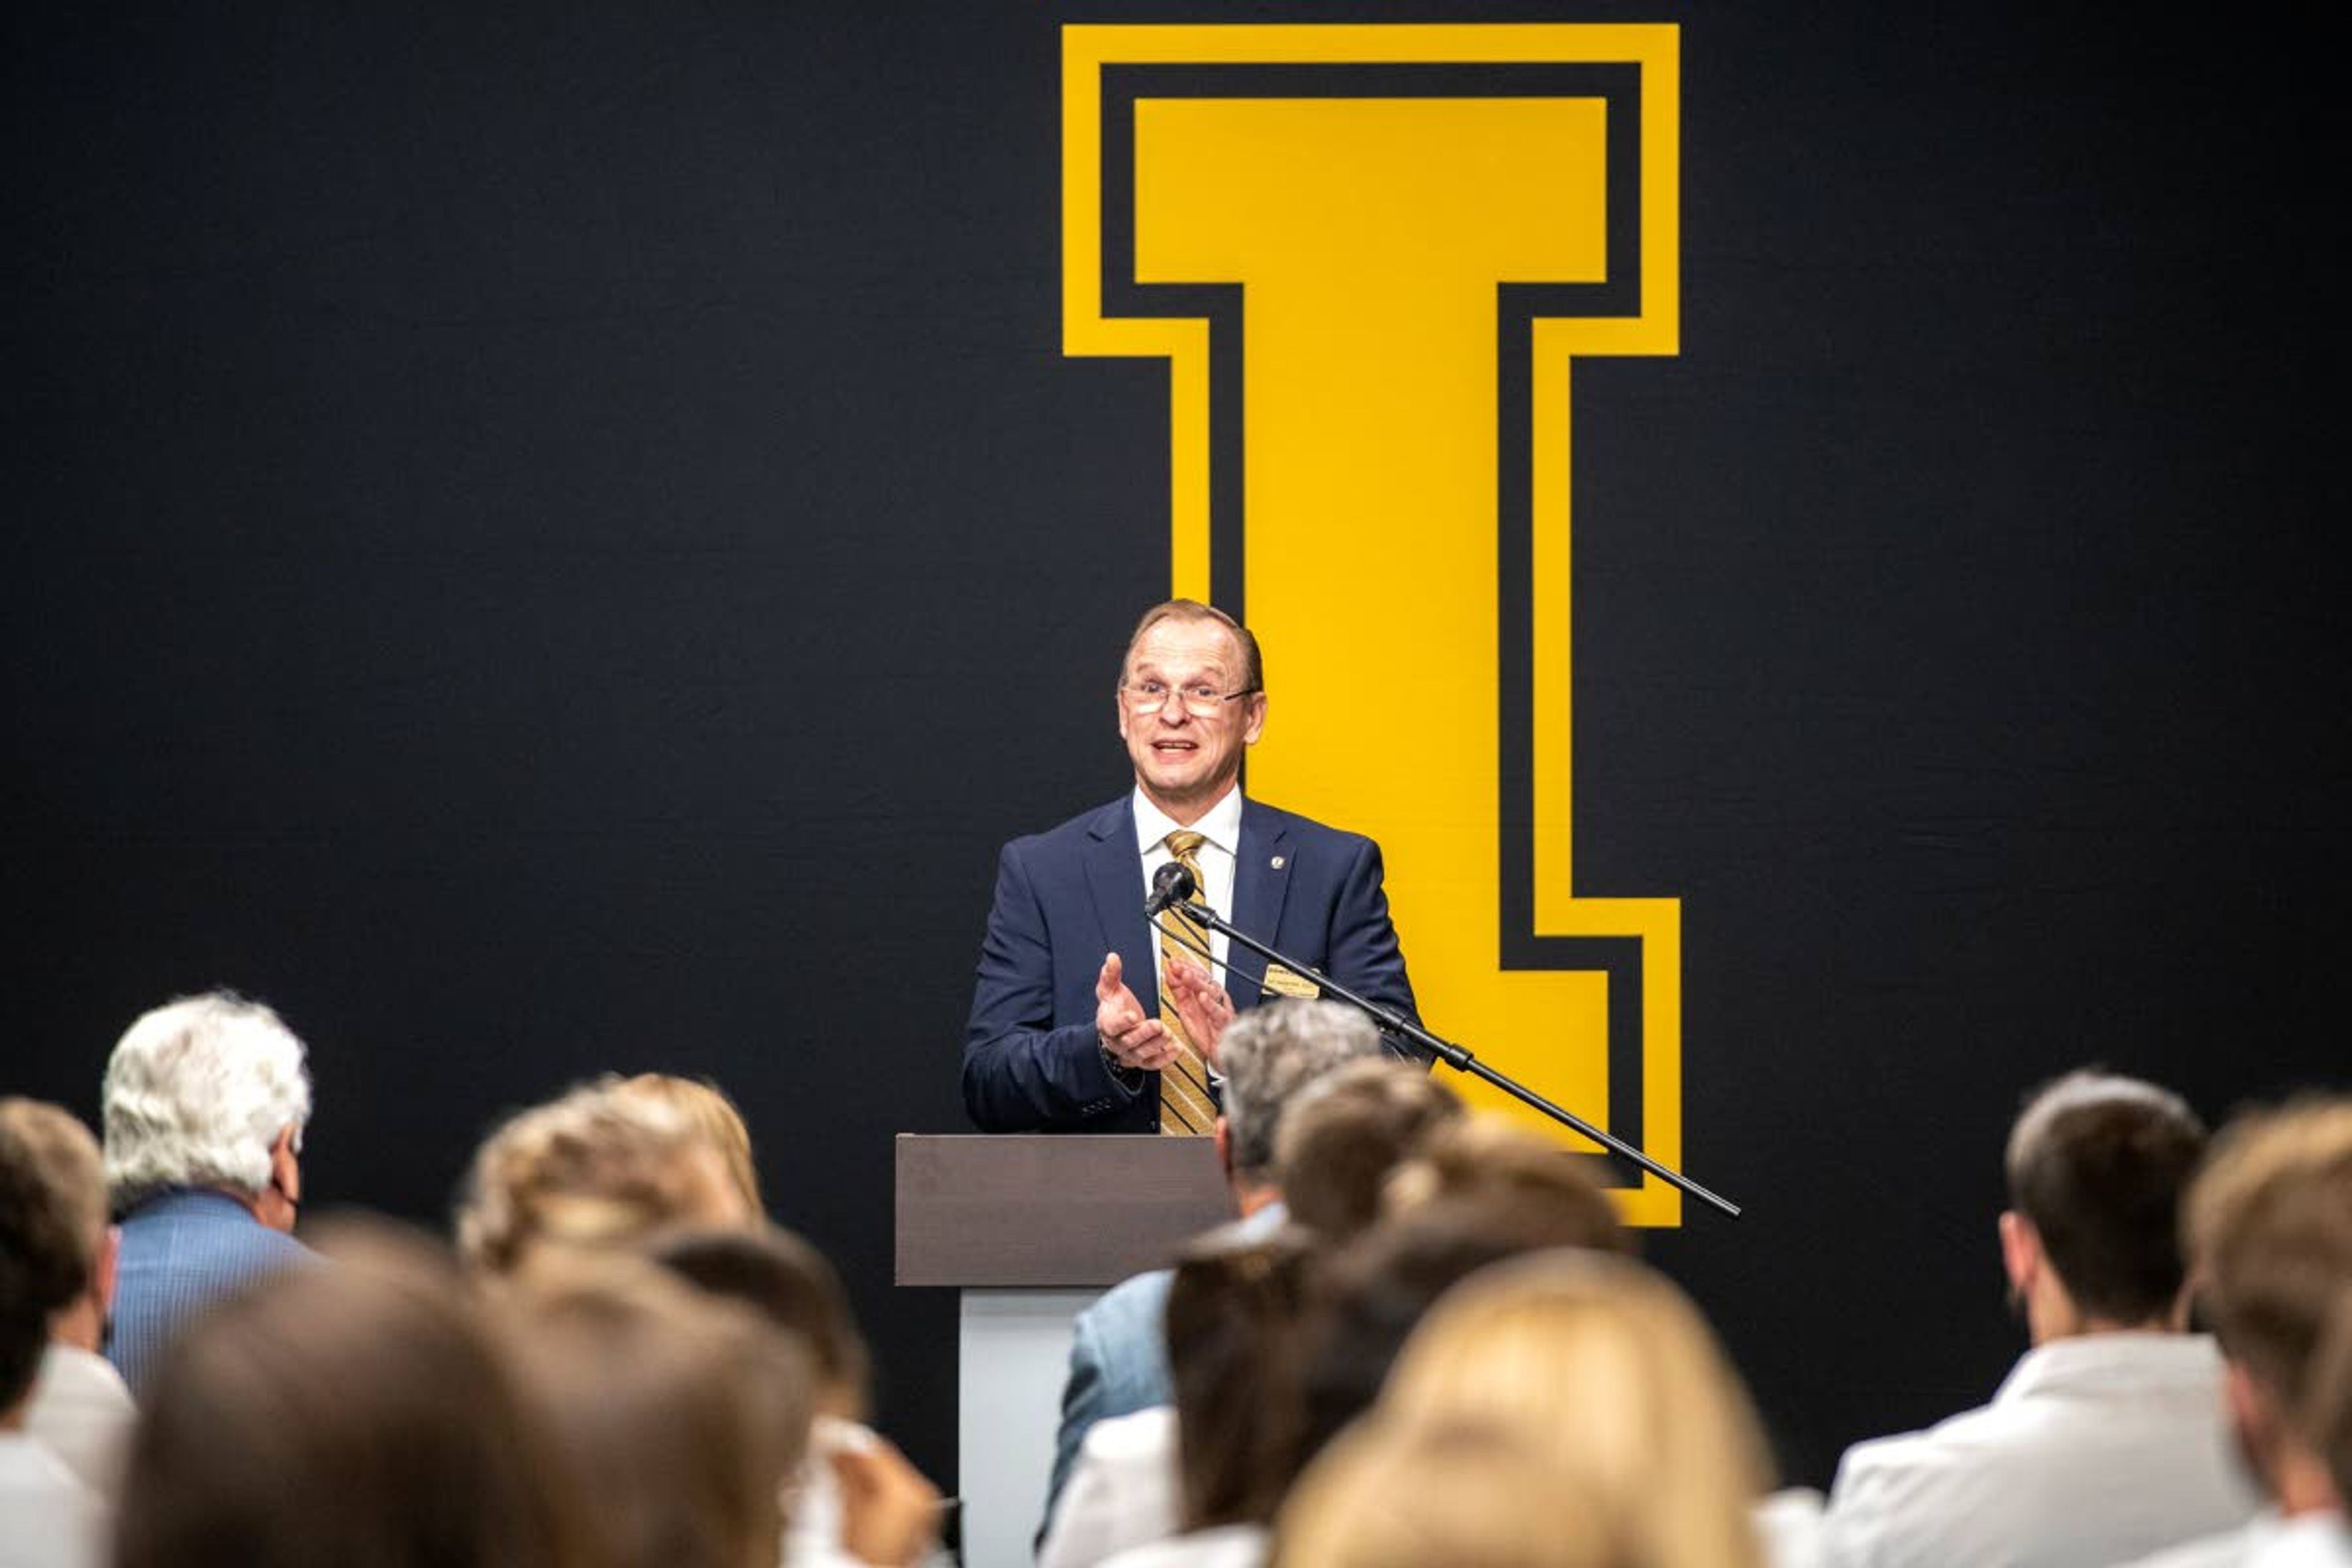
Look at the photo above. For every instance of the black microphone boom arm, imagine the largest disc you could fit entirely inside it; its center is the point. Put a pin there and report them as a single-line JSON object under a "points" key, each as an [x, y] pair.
{"points": [[1168, 889]]}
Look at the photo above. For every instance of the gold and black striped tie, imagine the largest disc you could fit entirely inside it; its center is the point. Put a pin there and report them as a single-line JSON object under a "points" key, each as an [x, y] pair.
{"points": [[1186, 1108]]}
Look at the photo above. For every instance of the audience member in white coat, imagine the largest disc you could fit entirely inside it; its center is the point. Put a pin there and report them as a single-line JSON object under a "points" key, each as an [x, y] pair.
{"points": [[2105, 1441]]}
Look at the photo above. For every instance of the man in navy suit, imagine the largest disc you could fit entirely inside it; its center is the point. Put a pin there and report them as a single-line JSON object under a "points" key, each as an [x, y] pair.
{"points": [[1066, 1033]]}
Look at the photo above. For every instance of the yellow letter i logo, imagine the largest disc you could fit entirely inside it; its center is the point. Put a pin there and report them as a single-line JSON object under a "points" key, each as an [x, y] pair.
{"points": [[1370, 256]]}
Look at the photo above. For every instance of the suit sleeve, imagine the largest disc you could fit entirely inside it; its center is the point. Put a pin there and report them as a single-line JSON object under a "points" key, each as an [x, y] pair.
{"points": [[1021, 1072], [1364, 956]]}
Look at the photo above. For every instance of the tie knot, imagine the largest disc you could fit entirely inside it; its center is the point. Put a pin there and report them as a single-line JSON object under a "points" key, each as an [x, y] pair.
{"points": [[1183, 842]]}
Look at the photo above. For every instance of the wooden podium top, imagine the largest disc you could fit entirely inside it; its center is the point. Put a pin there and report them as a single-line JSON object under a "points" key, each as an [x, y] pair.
{"points": [[1045, 1211]]}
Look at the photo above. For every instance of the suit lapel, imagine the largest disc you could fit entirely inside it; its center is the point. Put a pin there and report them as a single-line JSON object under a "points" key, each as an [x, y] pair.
{"points": [[1261, 878], [1115, 879]]}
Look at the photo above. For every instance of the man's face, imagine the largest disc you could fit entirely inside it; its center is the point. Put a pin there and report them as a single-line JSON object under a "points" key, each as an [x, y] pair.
{"points": [[1184, 760]]}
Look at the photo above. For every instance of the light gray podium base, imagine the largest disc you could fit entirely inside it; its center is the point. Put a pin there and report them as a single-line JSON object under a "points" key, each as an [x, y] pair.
{"points": [[1012, 1353]]}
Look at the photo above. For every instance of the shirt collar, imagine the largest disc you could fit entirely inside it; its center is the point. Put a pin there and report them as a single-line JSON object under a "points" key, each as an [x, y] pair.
{"points": [[1221, 824], [2081, 1361]]}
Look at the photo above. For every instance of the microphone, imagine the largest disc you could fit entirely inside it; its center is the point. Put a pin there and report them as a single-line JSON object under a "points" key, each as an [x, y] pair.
{"points": [[1171, 884]]}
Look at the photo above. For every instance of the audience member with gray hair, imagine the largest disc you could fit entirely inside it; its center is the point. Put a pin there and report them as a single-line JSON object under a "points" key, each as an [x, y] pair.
{"points": [[1269, 1055], [205, 1100]]}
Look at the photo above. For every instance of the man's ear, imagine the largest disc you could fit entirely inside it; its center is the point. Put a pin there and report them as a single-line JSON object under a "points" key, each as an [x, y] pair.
{"points": [[1225, 1149], [102, 1270], [286, 1165], [2021, 1251]]}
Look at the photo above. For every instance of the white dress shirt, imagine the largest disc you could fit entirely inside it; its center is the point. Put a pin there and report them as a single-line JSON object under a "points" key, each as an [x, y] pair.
{"points": [[2096, 1450], [1123, 1492], [1221, 826], [1222, 1546], [1789, 1526], [48, 1519], [82, 1411]]}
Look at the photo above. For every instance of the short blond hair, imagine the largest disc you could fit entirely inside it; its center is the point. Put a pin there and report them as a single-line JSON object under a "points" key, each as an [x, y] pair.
{"points": [[1660, 1426], [2268, 1225], [1396, 1494], [594, 1169], [709, 1107]]}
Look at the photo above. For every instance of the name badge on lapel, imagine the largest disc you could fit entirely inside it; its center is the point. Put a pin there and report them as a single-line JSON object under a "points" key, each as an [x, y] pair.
{"points": [[1281, 982]]}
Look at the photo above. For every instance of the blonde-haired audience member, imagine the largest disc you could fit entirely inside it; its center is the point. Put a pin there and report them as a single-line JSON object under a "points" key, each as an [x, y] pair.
{"points": [[2269, 1231], [599, 1168], [855, 1498], [81, 1410], [1607, 1372], [358, 1413], [2101, 1445], [678, 1414], [708, 1106], [1405, 1494]]}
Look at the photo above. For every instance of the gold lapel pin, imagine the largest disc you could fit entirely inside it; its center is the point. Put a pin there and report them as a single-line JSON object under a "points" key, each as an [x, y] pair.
{"points": [[1278, 862]]}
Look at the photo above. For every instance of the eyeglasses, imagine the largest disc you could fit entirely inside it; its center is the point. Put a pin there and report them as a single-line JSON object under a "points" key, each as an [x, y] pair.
{"points": [[1201, 699]]}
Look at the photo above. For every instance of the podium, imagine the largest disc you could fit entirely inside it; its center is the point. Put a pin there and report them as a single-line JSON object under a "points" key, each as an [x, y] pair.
{"points": [[1030, 1229]]}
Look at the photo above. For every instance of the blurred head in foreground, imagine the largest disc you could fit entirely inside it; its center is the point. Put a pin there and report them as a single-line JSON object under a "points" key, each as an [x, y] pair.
{"points": [[1233, 1321], [61, 1151], [1392, 1494], [1604, 1369], [2269, 1227], [855, 1498], [778, 1273], [679, 1414], [356, 1413]]}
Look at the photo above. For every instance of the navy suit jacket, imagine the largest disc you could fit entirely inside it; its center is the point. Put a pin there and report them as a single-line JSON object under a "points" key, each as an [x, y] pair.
{"points": [[1066, 896]]}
